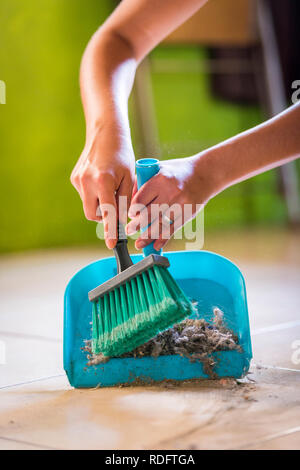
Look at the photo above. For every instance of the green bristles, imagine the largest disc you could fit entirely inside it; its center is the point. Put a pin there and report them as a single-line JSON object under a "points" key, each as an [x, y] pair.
{"points": [[136, 311]]}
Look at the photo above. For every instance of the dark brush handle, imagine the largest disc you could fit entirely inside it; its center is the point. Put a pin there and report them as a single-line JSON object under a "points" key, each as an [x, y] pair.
{"points": [[121, 251]]}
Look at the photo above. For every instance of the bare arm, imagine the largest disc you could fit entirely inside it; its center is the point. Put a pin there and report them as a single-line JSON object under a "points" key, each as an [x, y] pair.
{"points": [[195, 180], [105, 169], [267, 146]]}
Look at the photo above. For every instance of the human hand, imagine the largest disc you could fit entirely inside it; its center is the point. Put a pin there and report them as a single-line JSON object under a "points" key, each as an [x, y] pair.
{"points": [[104, 173], [177, 193]]}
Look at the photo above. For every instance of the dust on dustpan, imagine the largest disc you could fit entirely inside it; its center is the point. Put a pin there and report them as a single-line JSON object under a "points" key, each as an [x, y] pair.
{"points": [[196, 339]]}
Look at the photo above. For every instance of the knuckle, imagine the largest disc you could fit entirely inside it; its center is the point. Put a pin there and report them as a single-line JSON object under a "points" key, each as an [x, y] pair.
{"points": [[74, 179], [104, 177], [128, 175], [85, 178]]}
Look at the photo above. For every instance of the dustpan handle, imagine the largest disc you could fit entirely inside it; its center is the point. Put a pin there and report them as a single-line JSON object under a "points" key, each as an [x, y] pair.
{"points": [[121, 251], [145, 169]]}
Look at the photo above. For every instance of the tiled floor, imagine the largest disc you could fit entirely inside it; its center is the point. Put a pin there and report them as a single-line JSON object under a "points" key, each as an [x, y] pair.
{"points": [[39, 410]]}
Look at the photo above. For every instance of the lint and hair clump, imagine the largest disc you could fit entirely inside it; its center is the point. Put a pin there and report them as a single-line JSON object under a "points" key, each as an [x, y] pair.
{"points": [[196, 339]]}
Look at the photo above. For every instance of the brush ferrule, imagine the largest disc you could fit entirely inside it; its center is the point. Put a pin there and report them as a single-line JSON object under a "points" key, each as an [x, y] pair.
{"points": [[125, 276]]}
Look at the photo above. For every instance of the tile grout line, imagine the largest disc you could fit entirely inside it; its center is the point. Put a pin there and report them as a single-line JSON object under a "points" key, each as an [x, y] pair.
{"points": [[28, 336], [32, 381], [276, 327], [271, 437], [265, 366], [32, 444]]}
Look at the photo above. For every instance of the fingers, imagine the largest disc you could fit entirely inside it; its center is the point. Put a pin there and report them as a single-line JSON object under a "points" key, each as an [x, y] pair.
{"points": [[98, 211], [145, 215], [160, 231], [88, 196], [135, 188], [142, 218], [123, 198], [108, 208], [90, 203], [158, 209], [90, 207], [109, 219], [103, 176], [100, 203], [146, 194], [143, 205]]}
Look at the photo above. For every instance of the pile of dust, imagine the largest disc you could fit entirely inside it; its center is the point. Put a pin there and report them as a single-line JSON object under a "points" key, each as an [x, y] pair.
{"points": [[196, 339]]}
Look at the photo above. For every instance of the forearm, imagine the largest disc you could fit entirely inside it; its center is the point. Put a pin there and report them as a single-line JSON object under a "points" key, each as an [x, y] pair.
{"points": [[106, 78], [110, 60], [262, 148], [193, 181]]}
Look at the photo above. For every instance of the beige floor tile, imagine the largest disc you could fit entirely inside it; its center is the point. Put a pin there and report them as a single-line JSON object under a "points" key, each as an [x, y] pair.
{"points": [[193, 415], [275, 348], [11, 444], [273, 294], [288, 442], [206, 415], [29, 359]]}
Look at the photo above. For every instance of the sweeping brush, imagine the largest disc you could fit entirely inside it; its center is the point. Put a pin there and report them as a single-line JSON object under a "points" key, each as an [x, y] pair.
{"points": [[135, 305]]}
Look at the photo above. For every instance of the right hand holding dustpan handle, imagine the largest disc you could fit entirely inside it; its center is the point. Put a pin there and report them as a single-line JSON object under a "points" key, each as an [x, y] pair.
{"points": [[145, 169]]}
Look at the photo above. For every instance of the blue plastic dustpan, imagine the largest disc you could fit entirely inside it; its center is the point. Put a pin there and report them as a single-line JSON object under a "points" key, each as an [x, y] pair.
{"points": [[208, 278]]}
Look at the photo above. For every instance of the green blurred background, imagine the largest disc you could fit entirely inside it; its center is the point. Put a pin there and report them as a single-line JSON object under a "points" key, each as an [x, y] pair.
{"points": [[42, 127]]}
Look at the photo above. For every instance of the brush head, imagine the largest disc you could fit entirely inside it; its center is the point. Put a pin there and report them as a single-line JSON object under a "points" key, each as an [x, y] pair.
{"points": [[136, 306]]}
